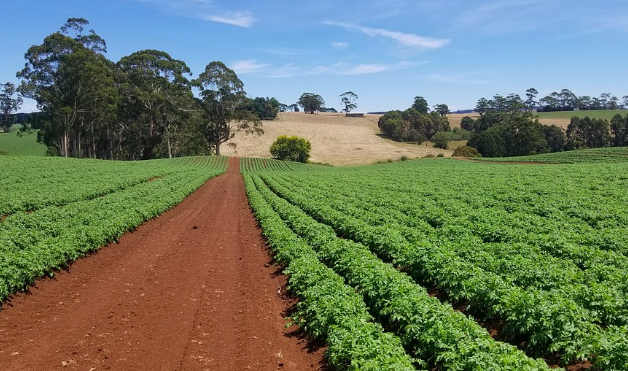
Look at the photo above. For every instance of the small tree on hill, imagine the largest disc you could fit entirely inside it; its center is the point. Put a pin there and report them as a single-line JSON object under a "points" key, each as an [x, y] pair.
{"points": [[291, 149], [348, 100], [8, 104], [420, 104], [442, 109], [441, 139], [311, 102]]}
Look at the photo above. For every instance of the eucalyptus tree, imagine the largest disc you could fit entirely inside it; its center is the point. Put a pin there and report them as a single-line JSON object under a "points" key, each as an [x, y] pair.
{"points": [[311, 102], [531, 95], [482, 106], [420, 104], [155, 93], [348, 100], [442, 109], [73, 85], [604, 100], [223, 103], [10, 102]]}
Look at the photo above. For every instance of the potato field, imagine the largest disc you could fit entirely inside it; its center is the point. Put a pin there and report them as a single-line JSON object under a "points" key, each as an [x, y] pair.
{"points": [[465, 266]]}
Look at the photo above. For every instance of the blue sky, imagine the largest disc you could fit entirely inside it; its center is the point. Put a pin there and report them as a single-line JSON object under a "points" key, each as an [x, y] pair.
{"points": [[386, 51]]}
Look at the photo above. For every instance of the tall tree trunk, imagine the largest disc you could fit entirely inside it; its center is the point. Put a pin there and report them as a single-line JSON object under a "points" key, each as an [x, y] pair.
{"points": [[217, 145], [65, 144]]}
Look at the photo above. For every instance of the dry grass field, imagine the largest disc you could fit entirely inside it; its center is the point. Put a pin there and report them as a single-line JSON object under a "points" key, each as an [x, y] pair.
{"points": [[336, 140], [455, 118]]}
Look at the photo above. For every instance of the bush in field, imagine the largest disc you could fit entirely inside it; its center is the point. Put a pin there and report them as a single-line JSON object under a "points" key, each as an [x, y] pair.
{"points": [[411, 125], [441, 139], [291, 149], [466, 151]]}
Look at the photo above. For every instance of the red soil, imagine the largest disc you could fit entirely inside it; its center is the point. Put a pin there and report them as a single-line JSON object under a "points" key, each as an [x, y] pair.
{"points": [[194, 289]]}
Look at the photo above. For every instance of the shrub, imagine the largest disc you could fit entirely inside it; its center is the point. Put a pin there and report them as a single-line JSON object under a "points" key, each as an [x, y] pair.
{"points": [[440, 155], [466, 151], [291, 149], [52, 151], [441, 139]]}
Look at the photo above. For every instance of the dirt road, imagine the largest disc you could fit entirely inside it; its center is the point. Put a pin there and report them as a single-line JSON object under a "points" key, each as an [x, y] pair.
{"points": [[191, 290]]}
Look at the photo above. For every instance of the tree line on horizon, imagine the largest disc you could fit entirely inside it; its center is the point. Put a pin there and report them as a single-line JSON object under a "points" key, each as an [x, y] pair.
{"points": [[565, 100], [507, 126]]}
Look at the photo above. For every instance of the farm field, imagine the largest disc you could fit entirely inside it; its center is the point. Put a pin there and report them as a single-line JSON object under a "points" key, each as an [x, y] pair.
{"points": [[593, 155], [336, 140], [26, 145], [193, 289], [433, 264], [470, 265], [60, 209]]}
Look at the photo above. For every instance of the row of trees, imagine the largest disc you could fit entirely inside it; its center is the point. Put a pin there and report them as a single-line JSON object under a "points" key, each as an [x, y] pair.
{"points": [[507, 127], [414, 124], [138, 108], [312, 103], [564, 100]]}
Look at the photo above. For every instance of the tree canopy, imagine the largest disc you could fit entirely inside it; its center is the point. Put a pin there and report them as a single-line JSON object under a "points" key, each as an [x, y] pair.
{"points": [[348, 100], [291, 148], [311, 102], [420, 105], [223, 101], [9, 102], [138, 108]]}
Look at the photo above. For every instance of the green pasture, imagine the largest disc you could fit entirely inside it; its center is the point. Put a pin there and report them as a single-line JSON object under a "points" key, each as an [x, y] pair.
{"points": [[20, 145]]}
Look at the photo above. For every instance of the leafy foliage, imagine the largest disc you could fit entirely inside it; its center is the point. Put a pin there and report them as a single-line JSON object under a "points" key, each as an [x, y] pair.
{"points": [[466, 151], [348, 100], [291, 148], [264, 108], [311, 102], [9, 103], [223, 101], [411, 125]]}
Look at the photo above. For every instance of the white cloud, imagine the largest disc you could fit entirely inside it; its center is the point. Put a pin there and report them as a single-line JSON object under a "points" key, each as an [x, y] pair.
{"points": [[285, 51], [337, 69], [247, 66], [405, 39], [205, 10], [241, 19], [340, 45]]}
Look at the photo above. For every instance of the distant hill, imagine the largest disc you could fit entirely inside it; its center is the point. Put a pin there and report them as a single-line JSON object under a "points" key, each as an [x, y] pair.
{"points": [[26, 145], [336, 140]]}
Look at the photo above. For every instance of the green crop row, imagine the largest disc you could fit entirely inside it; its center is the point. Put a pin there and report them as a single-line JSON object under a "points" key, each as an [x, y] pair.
{"points": [[252, 165], [431, 330], [34, 244], [548, 321], [328, 308], [600, 289], [31, 183], [593, 155]]}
